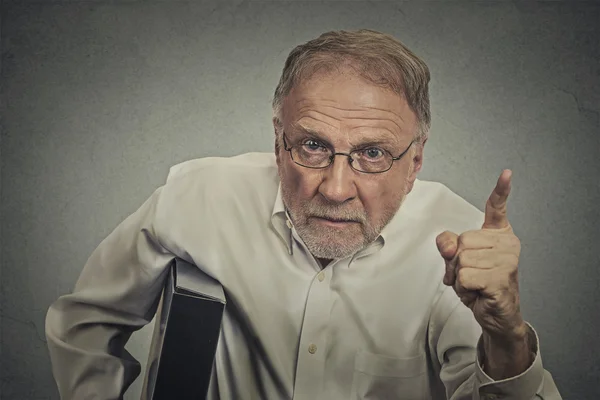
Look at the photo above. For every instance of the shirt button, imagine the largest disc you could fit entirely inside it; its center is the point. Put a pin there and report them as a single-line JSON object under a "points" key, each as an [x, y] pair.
{"points": [[288, 223], [321, 276], [312, 349]]}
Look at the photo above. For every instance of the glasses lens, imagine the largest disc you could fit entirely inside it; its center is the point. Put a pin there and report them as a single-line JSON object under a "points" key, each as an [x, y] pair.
{"points": [[372, 160], [311, 155]]}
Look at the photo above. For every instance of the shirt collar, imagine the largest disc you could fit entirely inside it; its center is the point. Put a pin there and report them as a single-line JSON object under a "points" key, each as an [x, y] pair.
{"points": [[281, 221], [402, 216], [278, 207]]}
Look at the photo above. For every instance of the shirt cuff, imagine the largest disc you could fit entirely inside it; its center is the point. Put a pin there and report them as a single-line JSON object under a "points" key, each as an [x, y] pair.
{"points": [[522, 386]]}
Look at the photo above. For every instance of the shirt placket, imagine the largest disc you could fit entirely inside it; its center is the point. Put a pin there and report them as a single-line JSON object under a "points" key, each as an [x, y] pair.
{"points": [[312, 345], [311, 352]]}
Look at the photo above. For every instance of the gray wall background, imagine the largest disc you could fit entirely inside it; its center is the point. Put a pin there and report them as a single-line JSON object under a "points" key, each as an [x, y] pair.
{"points": [[100, 98]]}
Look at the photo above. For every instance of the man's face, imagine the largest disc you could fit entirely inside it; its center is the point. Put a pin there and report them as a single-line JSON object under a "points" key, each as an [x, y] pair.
{"points": [[342, 111]]}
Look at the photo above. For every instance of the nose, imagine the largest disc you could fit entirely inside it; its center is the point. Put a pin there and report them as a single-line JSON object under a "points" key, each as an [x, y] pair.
{"points": [[338, 184]]}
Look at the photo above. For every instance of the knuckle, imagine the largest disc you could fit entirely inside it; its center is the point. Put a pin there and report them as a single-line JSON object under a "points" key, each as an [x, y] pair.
{"points": [[512, 239], [462, 276], [516, 242], [464, 259], [462, 239], [461, 258], [469, 238], [514, 261]]}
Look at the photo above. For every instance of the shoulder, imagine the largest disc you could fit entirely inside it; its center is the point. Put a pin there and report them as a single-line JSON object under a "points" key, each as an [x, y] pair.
{"points": [[439, 206], [225, 167], [249, 170], [239, 183]]}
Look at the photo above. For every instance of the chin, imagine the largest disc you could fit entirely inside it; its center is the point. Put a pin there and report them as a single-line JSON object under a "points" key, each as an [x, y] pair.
{"points": [[331, 248], [331, 254]]}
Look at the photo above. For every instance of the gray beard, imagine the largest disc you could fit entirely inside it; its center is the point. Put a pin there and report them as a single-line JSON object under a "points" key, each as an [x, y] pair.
{"points": [[324, 243], [321, 242]]}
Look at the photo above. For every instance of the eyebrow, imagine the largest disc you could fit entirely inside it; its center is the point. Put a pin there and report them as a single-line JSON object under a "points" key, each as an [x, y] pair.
{"points": [[371, 140]]}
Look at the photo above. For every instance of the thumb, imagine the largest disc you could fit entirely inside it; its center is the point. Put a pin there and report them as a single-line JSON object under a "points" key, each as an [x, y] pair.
{"points": [[447, 244]]}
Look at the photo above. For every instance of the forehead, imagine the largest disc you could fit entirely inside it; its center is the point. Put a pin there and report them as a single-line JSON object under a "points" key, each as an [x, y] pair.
{"points": [[341, 100]]}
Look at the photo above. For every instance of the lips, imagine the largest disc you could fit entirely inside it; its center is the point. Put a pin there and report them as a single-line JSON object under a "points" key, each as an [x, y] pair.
{"points": [[337, 220]]}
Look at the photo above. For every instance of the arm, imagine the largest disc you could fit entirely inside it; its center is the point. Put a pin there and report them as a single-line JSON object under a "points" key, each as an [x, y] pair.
{"points": [[457, 345], [504, 358], [116, 294], [482, 268]]}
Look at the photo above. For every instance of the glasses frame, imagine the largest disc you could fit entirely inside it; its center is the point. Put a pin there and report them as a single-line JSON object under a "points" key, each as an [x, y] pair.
{"points": [[349, 155]]}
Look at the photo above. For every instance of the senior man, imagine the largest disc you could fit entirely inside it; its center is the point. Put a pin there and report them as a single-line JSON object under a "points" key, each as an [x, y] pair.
{"points": [[346, 276]]}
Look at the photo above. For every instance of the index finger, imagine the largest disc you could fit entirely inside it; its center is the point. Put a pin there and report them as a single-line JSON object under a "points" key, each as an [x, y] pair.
{"points": [[495, 208]]}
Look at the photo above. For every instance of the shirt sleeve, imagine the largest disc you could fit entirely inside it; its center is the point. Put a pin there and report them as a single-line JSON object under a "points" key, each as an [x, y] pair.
{"points": [[455, 342], [533, 383], [116, 294]]}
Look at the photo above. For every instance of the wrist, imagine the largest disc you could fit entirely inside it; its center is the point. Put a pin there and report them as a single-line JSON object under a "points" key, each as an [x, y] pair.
{"points": [[507, 355], [515, 337]]}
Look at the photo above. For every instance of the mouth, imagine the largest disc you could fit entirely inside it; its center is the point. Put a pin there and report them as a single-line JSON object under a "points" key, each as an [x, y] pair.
{"points": [[335, 222]]}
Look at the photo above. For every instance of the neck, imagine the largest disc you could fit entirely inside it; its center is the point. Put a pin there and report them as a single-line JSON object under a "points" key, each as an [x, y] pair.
{"points": [[323, 261]]}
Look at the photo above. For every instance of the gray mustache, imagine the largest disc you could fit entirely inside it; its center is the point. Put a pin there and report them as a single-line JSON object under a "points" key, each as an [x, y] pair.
{"points": [[333, 213], [338, 218]]}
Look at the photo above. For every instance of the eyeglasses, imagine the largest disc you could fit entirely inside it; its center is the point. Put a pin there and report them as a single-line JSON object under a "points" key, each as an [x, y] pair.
{"points": [[369, 160]]}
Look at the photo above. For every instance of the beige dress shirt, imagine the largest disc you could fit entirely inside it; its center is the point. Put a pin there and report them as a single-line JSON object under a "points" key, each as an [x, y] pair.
{"points": [[377, 325]]}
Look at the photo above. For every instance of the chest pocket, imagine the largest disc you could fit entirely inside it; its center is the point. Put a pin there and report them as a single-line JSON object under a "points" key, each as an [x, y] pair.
{"points": [[378, 377]]}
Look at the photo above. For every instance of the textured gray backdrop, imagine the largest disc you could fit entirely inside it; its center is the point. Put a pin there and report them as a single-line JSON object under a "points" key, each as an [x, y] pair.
{"points": [[100, 98]]}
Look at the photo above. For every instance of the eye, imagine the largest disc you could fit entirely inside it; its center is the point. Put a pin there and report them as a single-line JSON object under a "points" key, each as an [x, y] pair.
{"points": [[373, 153], [312, 145]]}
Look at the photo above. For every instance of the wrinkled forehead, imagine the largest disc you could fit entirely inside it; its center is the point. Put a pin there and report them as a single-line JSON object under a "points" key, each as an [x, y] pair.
{"points": [[342, 99]]}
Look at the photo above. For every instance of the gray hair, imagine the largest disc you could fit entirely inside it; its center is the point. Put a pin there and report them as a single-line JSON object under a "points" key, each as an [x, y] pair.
{"points": [[377, 57]]}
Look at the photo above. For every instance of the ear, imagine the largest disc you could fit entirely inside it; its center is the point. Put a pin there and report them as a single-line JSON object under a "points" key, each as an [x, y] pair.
{"points": [[416, 164], [277, 127]]}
